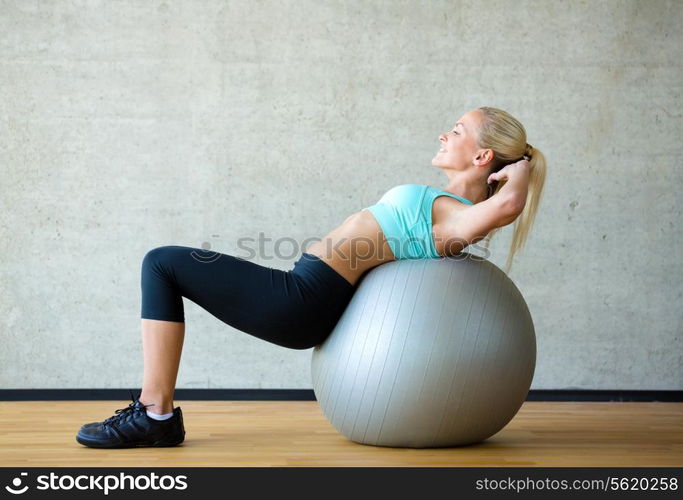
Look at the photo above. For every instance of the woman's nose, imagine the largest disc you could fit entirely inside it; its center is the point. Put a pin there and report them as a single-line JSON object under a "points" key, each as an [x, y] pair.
{"points": [[442, 137]]}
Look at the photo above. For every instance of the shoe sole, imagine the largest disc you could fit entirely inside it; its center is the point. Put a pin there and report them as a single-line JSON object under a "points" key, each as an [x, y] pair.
{"points": [[97, 444]]}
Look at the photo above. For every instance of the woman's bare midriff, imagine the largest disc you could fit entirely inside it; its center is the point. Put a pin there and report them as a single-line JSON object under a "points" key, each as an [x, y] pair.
{"points": [[358, 244]]}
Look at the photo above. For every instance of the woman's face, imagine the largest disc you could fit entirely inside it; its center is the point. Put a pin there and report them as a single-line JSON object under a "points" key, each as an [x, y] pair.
{"points": [[459, 145]]}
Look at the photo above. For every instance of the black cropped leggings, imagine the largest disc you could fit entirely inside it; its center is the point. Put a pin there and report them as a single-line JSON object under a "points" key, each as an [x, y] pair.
{"points": [[296, 309]]}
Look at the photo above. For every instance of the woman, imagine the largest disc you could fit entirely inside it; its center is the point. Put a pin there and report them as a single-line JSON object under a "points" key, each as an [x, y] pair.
{"points": [[495, 178]]}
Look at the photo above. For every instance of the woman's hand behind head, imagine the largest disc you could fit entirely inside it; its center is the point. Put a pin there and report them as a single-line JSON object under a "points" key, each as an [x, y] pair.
{"points": [[504, 174]]}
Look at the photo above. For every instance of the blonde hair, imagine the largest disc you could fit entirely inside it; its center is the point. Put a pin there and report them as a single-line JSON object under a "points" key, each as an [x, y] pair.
{"points": [[506, 136]]}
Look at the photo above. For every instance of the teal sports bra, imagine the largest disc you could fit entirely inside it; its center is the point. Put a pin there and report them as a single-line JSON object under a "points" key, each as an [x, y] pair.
{"points": [[405, 215]]}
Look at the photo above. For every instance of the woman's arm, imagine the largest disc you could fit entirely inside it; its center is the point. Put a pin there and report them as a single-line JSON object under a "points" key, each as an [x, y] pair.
{"points": [[515, 189], [472, 224]]}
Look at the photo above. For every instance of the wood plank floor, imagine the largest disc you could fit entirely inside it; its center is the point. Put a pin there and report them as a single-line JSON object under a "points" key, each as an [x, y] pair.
{"points": [[295, 433]]}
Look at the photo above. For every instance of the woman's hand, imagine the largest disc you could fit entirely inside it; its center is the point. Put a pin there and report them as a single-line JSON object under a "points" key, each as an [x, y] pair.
{"points": [[511, 170]]}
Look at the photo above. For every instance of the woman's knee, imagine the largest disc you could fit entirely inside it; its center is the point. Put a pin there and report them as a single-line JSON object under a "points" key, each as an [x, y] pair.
{"points": [[157, 256]]}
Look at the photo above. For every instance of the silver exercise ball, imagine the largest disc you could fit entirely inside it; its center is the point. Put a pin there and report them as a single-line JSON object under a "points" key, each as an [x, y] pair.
{"points": [[428, 353]]}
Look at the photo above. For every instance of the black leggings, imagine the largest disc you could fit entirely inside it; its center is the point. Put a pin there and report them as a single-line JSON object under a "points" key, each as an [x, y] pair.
{"points": [[296, 309]]}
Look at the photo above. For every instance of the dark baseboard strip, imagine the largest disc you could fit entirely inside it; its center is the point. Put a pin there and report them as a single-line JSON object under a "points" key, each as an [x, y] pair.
{"points": [[307, 395], [605, 395]]}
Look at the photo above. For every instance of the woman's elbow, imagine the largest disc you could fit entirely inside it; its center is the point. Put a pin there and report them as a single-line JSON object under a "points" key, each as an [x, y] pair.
{"points": [[514, 205], [510, 210]]}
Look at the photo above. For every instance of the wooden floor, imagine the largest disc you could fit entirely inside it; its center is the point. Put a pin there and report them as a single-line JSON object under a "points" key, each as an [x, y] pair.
{"points": [[277, 433]]}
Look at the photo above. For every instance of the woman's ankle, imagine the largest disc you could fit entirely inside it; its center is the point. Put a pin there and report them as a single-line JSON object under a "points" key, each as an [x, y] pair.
{"points": [[157, 405]]}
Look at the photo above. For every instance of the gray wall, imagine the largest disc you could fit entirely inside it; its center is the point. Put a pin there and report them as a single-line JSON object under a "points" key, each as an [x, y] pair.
{"points": [[128, 125]]}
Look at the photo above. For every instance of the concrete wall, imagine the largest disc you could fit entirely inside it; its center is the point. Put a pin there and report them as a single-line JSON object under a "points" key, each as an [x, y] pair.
{"points": [[126, 125]]}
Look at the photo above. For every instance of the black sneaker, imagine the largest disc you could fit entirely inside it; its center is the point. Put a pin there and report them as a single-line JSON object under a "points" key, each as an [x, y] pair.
{"points": [[131, 427]]}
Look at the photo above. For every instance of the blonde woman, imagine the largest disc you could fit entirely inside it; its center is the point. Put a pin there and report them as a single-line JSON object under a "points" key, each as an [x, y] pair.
{"points": [[494, 178]]}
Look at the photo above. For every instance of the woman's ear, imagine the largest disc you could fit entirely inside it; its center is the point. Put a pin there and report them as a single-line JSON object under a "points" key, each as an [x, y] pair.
{"points": [[484, 158]]}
